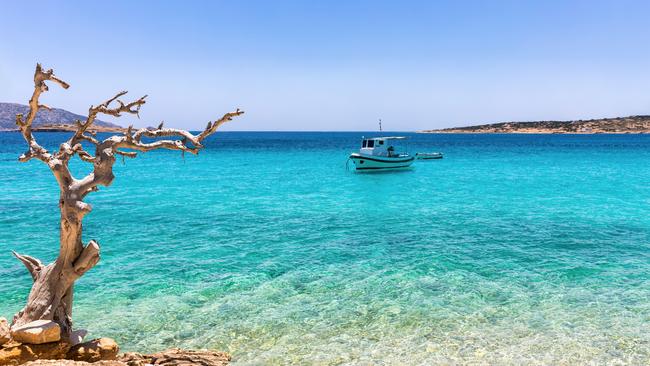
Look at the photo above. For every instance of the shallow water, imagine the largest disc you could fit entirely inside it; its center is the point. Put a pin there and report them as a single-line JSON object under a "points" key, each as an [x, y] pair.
{"points": [[512, 249]]}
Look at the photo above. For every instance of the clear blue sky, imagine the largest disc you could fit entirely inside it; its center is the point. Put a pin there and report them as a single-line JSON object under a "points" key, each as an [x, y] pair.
{"points": [[336, 65]]}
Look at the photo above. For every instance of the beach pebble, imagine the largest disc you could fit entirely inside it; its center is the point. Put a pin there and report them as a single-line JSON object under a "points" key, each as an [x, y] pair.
{"points": [[37, 332]]}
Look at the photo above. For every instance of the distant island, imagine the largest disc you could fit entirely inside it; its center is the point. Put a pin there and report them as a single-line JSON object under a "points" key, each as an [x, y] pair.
{"points": [[631, 124], [53, 120]]}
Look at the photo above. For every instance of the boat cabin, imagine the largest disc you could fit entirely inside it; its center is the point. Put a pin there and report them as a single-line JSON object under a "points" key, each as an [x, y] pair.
{"points": [[380, 146]]}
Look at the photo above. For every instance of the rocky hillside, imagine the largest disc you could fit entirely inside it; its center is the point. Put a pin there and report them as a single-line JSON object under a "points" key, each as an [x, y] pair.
{"points": [[631, 124], [55, 116]]}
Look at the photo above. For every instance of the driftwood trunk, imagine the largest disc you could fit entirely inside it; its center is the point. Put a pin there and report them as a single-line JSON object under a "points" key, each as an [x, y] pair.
{"points": [[51, 295]]}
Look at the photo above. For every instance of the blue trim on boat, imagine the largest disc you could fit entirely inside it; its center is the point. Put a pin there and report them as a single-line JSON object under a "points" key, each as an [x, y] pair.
{"points": [[384, 167], [381, 160]]}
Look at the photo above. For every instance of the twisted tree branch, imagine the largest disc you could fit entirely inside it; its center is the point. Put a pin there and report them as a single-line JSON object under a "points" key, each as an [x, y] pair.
{"points": [[51, 296], [128, 154], [131, 108], [88, 138], [107, 150], [87, 259], [105, 108], [58, 168], [212, 127], [32, 264], [196, 140], [25, 125]]}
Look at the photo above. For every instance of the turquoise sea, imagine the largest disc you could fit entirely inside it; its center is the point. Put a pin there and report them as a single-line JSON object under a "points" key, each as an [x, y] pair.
{"points": [[513, 249]]}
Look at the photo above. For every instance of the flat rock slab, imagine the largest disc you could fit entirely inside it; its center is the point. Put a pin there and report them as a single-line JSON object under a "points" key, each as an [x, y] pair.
{"points": [[17, 354], [73, 363], [177, 357], [37, 332]]}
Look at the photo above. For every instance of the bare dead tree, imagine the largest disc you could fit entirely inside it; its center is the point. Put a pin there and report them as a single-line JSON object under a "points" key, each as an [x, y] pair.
{"points": [[52, 291]]}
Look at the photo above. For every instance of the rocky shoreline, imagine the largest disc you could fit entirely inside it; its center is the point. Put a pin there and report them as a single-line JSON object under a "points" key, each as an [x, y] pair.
{"points": [[40, 343], [619, 125]]}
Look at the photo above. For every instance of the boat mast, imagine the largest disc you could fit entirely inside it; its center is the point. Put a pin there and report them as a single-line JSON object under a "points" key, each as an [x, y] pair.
{"points": [[380, 125]]}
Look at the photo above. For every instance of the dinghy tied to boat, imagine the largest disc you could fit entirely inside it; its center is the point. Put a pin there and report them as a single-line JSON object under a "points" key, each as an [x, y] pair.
{"points": [[428, 156]]}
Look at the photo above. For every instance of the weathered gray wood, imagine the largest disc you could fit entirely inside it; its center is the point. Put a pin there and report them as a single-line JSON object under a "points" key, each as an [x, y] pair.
{"points": [[51, 296]]}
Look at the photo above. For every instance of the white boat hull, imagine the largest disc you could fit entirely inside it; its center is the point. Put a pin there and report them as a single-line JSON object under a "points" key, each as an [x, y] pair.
{"points": [[364, 162]]}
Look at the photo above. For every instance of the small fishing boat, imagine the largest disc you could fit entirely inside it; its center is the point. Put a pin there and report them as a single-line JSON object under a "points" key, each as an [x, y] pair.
{"points": [[428, 156], [379, 153]]}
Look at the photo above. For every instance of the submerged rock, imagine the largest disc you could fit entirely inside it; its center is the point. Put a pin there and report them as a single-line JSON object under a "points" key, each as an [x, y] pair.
{"points": [[5, 332], [95, 350], [37, 332]]}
